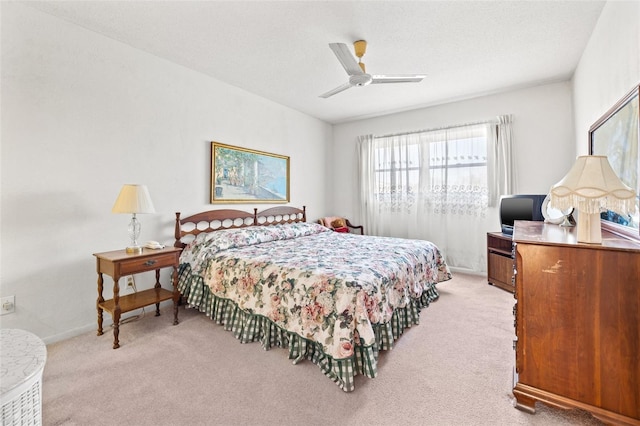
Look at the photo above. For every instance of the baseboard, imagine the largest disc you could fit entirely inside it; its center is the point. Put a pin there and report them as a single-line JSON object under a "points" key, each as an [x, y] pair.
{"points": [[468, 271]]}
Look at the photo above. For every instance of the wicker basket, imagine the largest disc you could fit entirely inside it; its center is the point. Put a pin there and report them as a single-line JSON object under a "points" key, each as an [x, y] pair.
{"points": [[23, 358]]}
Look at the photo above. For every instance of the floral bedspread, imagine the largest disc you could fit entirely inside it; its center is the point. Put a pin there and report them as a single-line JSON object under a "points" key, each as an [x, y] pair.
{"points": [[327, 287]]}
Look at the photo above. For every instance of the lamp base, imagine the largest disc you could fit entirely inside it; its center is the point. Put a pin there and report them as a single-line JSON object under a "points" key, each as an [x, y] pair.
{"points": [[134, 250], [589, 228]]}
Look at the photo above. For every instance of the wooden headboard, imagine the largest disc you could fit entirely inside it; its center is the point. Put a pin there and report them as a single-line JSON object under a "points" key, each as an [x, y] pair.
{"points": [[215, 220]]}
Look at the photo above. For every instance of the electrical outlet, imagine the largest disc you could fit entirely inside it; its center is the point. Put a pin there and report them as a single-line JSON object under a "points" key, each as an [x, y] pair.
{"points": [[7, 305], [131, 283]]}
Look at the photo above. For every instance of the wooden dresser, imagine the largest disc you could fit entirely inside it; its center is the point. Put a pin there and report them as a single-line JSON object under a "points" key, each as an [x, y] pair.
{"points": [[577, 322]]}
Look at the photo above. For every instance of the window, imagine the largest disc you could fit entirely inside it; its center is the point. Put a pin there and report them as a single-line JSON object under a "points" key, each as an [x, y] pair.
{"points": [[442, 167], [397, 172], [438, 185]]}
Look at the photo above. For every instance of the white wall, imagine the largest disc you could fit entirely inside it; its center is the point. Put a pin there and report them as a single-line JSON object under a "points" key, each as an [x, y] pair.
{"points": [[543, 137], [83, 114], [609, 67]]}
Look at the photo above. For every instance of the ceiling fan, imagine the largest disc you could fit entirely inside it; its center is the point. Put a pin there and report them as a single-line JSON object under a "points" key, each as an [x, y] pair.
{"points": [[358, 76]]}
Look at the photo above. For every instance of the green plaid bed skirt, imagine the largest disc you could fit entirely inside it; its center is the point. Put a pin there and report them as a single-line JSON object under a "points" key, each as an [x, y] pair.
{"points": [[248, 327]]}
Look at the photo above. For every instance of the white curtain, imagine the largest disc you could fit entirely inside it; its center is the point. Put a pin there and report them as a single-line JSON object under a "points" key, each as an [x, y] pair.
{"points": [[366, 183], [393, 211], [437, 185], [500, 160]]}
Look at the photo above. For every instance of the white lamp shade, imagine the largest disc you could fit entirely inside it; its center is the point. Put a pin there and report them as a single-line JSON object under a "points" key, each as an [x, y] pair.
{"points": [[133, 199], [592, 185]]}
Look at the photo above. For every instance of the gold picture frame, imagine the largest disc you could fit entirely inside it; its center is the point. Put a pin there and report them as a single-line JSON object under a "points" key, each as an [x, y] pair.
{"points": [[615, 135], [242, 175]]}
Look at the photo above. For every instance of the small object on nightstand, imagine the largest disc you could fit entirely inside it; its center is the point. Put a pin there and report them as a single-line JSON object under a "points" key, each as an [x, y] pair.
{"points": [[153, 245]]}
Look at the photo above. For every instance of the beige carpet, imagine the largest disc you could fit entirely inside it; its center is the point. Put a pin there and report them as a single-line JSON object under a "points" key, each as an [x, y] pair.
{"points": [[455, 368]]}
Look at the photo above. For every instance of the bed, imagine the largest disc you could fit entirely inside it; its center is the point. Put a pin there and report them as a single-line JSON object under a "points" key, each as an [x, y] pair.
{"points": [[334, 299]]}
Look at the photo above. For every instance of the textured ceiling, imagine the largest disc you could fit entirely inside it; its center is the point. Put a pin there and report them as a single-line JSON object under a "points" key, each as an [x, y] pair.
{"points": [[279, 50]]}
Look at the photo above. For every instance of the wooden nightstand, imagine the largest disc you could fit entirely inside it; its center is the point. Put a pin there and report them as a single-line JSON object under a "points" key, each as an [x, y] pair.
{"points": [[118, 264]]}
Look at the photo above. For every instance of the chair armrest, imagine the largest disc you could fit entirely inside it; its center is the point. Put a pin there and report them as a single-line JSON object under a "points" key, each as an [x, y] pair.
{"points": [[350, 225]]}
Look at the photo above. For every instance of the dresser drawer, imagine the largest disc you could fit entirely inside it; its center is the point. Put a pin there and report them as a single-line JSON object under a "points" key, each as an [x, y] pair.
{"points": [[135, 266]]}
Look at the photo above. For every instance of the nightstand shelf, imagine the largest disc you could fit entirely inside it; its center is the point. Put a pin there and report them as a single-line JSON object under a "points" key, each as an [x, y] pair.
{"points": [[119, 263], [137, 300]]}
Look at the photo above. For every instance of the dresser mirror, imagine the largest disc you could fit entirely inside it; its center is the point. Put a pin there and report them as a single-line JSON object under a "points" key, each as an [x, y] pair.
{"points": [[615, 135]]}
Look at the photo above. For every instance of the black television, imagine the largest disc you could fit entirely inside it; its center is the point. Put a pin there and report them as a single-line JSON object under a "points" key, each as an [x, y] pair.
{"points": [[519, 207]]}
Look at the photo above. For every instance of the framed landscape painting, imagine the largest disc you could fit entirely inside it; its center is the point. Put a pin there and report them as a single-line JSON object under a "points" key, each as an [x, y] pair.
{"points": [[242, 175]]}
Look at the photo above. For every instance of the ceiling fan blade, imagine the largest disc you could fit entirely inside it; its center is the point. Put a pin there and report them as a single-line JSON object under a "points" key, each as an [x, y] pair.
{"points": [[346, 58], [336, 90], [397, 78]]}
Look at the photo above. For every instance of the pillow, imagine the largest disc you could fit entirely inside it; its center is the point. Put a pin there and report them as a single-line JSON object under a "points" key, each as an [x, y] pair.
{"points": [[338, 223]]}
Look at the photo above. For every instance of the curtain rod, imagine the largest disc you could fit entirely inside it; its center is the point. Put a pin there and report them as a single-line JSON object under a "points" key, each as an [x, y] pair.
{"points": [[436, 128]]}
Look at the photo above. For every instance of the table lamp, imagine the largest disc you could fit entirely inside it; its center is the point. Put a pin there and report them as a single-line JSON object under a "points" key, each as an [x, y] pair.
{"points": [[133, 199], [590, 187]]}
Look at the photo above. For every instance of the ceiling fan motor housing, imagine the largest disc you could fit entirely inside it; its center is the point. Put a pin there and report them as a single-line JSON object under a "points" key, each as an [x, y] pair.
{"points": [[360, 80]]}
